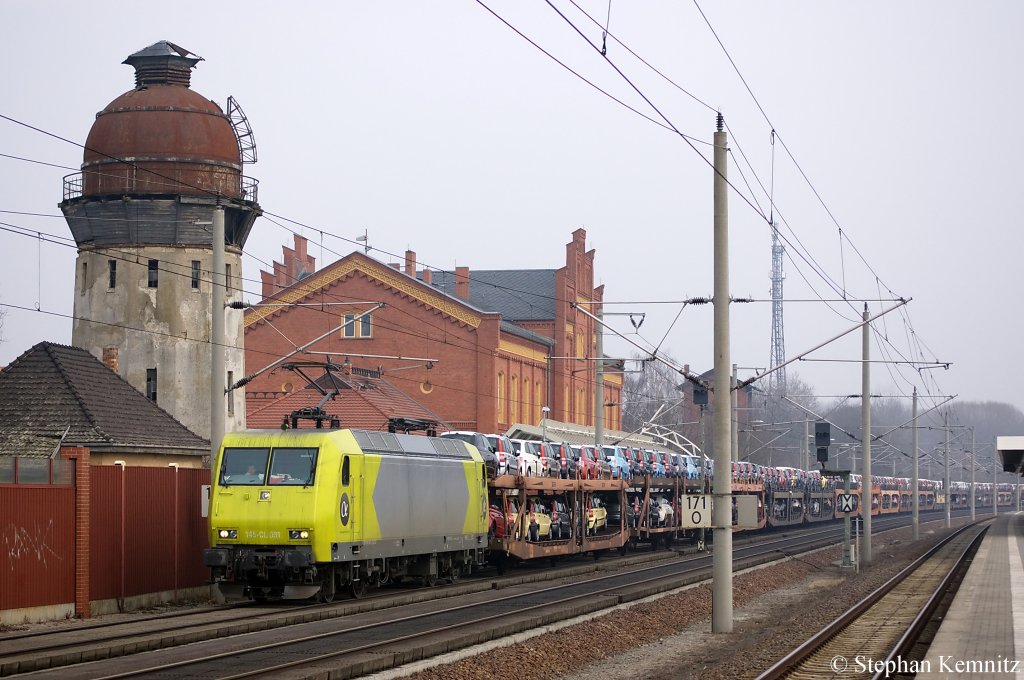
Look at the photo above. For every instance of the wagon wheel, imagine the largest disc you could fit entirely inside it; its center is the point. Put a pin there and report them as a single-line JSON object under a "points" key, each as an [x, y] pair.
{"points": [[430, 581], [454, 574]]}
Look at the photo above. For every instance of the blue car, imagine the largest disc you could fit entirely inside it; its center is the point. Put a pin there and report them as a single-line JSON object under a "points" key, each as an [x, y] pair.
{"points": [[654, 462], [616, 459]]}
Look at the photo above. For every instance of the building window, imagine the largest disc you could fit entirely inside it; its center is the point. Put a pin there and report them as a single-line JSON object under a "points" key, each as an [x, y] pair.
{"points": [[195, 274], [501, 397], [227, 278], [231, 393], [111, 273], [581, 407], [85, 276], [151, 384], [538, 403], [527, 401], [357, 329], [154, 272], [513, 407]]}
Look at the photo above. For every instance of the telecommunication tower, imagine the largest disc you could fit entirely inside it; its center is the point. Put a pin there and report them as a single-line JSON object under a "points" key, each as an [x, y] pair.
{"points": [[777, 380]]}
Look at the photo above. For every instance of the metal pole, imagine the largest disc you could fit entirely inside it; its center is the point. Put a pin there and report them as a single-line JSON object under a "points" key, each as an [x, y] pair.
{"points": [[972, 473], [865, 373], [915, 502], [735, 416], [995, 484], [599, 384], [805, 462], [847, 557], [217, 374], [945, 474], [721, 598]]}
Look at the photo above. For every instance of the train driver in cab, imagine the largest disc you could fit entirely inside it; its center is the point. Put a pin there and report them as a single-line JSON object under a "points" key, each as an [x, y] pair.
{"points": [[250, 476]]}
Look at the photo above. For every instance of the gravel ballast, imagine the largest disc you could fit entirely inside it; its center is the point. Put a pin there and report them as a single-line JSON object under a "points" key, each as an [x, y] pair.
{"points": [[776, 608]]}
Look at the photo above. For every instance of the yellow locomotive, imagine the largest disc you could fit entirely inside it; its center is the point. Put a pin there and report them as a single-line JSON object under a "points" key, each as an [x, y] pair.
{"points": [[298, 513]]}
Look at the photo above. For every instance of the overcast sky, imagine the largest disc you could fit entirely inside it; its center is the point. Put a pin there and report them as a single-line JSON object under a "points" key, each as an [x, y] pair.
{"points": [[435, 127]]}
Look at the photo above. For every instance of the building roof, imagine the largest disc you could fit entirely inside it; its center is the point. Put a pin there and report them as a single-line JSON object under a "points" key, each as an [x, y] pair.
{"points": [[359, 263], [55, 394], [364, 401], [516, 294], [511, 328]]}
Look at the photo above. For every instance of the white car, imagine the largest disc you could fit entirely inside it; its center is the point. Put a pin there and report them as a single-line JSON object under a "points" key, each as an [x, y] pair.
{"points": [[661, 512], [529, 457]]}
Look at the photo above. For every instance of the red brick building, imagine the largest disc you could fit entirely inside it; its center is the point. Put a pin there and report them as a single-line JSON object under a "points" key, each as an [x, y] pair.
{"points": [[482, 349]]}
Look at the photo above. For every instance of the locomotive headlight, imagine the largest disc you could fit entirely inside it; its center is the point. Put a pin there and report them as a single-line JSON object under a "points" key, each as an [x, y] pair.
{"points": [[298, 534], [228, 533]]}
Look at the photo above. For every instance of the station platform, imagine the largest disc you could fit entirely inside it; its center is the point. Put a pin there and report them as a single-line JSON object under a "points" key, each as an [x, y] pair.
{"points": [[982, 635]]}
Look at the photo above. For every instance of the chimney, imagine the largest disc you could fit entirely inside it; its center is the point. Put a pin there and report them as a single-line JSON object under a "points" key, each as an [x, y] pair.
{"points": [[410, 263], [110, 359], [462, 283], [395, 265], [428, 277]]}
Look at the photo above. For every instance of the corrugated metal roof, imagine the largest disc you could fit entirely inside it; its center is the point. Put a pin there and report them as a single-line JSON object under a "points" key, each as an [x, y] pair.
{"points": [[572, 433]]}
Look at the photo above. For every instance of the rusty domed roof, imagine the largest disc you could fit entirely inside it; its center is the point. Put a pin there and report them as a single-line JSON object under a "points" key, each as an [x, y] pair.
{"points": [[175, 140]]}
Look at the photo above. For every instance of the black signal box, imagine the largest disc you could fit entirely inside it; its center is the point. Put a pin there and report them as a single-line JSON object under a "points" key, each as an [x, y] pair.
{"points": [[822, 434]]}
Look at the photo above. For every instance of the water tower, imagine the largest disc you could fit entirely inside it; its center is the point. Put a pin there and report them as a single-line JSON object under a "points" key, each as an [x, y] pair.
{"points": [[158, 160]]}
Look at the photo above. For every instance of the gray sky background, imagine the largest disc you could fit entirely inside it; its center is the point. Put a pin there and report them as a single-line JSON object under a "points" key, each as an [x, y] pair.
{"points": [[435, 127]]}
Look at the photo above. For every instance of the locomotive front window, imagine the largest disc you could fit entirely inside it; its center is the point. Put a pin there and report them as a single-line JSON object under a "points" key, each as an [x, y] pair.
{"points": [[244, 466], [294, 466]]}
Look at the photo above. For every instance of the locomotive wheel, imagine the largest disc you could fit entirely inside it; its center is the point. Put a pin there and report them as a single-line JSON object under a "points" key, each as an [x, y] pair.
{"points": [[358, 589]]}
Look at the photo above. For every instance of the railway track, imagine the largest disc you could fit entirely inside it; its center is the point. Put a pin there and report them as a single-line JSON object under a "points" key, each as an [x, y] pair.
{"points": [[872, 637], [417, 623]]}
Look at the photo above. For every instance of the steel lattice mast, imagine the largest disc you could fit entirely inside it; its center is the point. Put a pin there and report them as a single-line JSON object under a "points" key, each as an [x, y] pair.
{"points": [[777, 380]]}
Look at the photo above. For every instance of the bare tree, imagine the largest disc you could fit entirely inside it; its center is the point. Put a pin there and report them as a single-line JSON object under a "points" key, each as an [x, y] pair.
{"points": [[654, 384]]}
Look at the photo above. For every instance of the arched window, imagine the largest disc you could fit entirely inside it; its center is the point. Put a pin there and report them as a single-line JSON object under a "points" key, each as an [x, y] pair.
{"points": [[539, 401], [513, 401], [527, 401], [566, 406], [501, 397], [581, 407]]}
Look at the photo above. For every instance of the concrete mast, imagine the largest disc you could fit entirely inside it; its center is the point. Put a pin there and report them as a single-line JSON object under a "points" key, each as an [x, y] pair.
{"points": [[721, 600]]}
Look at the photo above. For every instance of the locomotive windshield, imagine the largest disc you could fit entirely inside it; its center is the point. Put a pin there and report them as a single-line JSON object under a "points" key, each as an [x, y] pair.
{"points": [[244, 466], [295, 466]]}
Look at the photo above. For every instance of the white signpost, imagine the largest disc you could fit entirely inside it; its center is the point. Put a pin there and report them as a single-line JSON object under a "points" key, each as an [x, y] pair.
{"points": [[845, 503]]}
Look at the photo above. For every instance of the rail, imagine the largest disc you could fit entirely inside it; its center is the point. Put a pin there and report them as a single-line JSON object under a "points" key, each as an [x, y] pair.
{"points": [[798, 662]]}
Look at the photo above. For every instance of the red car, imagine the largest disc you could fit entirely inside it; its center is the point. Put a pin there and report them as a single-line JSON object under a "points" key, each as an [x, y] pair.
{"points": [[586, 465], [500, 525]]}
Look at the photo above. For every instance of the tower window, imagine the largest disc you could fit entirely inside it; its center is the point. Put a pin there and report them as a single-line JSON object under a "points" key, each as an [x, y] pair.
{"points": [[154, 272], [231, 393], [111, 273], [85, 276], [151, 384], [227, 278], [195, 274]]}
